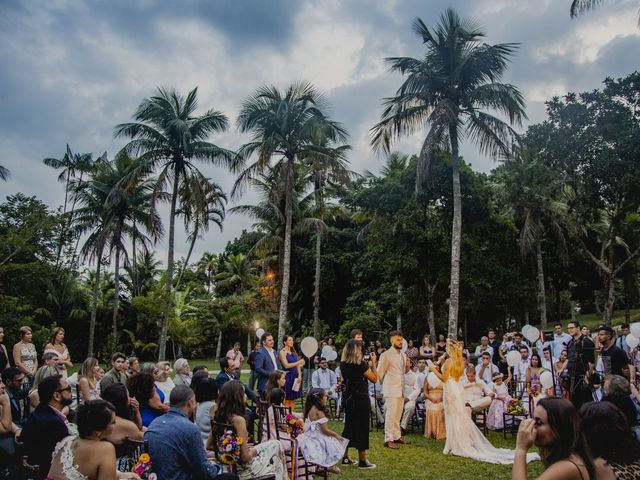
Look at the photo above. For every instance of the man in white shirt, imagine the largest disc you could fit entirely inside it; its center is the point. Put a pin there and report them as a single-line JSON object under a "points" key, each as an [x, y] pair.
{"points": [[236, 358], [477, 393], [520, 371], [485, 370], [409, 405], [560, 341], [483, 347], [325, 378], [377, 401], [392, 366]]}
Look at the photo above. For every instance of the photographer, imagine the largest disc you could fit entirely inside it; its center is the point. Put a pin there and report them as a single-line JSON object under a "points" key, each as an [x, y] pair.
{"points": [[580, 355], [356, 371]]}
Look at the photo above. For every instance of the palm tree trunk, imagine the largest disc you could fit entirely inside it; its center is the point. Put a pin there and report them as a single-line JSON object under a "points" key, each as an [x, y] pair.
{"points": [[116, 293], [399, 312], [431, 316], [94, 301], [610, 292], [456, 233], [162, 344], [316, 287], [542, 300], [286, 261], [73, 209], [134, 264], [219, 346], [64, 231], [186, 262], [248, 343]]}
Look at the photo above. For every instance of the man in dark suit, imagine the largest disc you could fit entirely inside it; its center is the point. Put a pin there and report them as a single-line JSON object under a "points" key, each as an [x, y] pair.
{"points": [[47, 425], [12, 378], [266, 361]]}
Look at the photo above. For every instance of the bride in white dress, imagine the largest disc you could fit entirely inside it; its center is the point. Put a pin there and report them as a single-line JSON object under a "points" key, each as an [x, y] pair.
{"points": [[463, 436]]}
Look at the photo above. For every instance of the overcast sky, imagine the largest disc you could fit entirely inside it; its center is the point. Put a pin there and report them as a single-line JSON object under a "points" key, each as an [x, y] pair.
{"points": [[72, 69]]}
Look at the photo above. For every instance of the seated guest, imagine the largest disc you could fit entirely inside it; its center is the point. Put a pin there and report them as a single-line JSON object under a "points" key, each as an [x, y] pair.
{"points": [[134, 366], [325, 378], [276, 379], [48, 368], [555, 430], [162, 375], [376, 400], [485, 370], [226, 373], [149, 397], [499, 402], [175, 444], [87, 456], [409, 406], [88, 382], [117, 374], [266, 458], [7, 427], [617, 390], [477, 394], [183, 372], [47, 425], [13, 378], [199, 372], [434, 426], [127, 420], [613, 445], [206, 392]]}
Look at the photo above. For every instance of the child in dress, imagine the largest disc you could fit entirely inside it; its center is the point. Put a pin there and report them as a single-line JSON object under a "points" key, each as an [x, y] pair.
{"points": [[495, 420], [319, 444]]}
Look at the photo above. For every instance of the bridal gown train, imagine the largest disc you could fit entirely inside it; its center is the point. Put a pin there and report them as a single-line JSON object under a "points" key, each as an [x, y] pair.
{"points": [[463, 436]]}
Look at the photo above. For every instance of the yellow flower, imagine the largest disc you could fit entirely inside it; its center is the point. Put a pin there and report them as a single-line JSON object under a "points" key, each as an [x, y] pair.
{"points": [[228, 458], [239, 440], [144, 458]]}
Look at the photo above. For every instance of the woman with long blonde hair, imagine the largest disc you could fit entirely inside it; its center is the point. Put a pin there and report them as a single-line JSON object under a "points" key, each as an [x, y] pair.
{"points": [[463, 437]]}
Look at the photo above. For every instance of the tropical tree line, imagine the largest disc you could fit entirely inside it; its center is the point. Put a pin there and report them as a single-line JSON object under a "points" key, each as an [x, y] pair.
{"points": [[427, 244]]}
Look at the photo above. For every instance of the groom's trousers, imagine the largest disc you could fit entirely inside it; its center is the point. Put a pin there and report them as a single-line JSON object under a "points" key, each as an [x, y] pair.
{"points": [[392, 416]]}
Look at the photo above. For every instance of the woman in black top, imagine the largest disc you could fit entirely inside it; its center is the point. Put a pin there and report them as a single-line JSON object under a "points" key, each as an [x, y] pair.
{"points": [[356, 371]]}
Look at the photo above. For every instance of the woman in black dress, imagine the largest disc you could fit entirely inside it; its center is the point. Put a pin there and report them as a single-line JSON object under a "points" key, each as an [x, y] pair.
{"points": [[356, 371]]}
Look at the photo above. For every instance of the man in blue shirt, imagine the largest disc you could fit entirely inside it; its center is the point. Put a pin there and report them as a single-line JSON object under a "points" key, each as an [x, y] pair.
{"points": [[175, 444]]}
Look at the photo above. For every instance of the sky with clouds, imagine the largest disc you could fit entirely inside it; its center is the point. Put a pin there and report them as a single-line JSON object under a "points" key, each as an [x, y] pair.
{"points": [[72, 69]]}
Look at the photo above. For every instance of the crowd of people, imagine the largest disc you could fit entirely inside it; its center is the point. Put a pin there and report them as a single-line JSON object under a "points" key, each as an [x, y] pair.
{"points": [[577, 402]]}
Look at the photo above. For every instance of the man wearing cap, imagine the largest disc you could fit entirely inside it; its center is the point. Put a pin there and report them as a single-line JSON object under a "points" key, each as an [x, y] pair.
{"points": [[391, 369], [613, 360]]}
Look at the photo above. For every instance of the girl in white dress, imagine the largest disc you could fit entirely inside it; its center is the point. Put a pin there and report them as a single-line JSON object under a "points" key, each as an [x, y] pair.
{"points": [[319, 444], [495, 420]]}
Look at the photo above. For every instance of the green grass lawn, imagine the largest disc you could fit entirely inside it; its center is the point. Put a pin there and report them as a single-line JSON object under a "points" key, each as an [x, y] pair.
{"points": [[423, 459]]}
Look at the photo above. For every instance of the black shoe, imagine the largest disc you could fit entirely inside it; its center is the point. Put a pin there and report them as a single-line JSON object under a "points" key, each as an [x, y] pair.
{"points": [[346, 461], [366, 465]]}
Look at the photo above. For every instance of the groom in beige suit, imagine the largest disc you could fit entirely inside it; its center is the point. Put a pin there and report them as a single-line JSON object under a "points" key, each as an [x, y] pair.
{"points": [[392, 366]]}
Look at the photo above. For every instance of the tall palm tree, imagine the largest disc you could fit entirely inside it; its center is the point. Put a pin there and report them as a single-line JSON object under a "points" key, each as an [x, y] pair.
{"points": [[207, 265], [170, 139], [142, 276], [445, 92], [283, 126], [578, 7], [4, 173], [237, 272]]}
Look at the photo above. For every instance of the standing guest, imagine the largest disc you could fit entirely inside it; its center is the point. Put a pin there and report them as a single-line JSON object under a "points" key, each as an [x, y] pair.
{"points": [[88, 383], [175, 445], [520, 370], [391, 370], [441, 346], [4, 356], [485, 370], [332, 344], [356, 334], [555, 430], [292, 364], [621, 341], [87, 456], [494, 343], [183, 372], [585, 331], [150, 398], [426, 350], [266, 458], [117, 373], [163, 379], [252, 366], [47, 425], [547, 361], [206, 392], [13, 378], [519, 343], [356, 371], [56, 345], [266, 361], [25, 356], [379, 348], [434, 422], [560, 341], [412, 353], [613, 445], [325, 378], [236, 358], [580, 353], [483, 347], [534, 370], [134, 366], [501, 399], [613, 360]]}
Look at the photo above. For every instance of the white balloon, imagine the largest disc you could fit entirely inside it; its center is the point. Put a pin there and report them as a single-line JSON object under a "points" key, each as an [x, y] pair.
{"points": [[513, 358], [635, 329], [326, 351], [433, 380], [632, 341], [533, 334], [259, 332], [524, 330], [405, 345], [309, 346], [332, 356], [546, 379]]}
